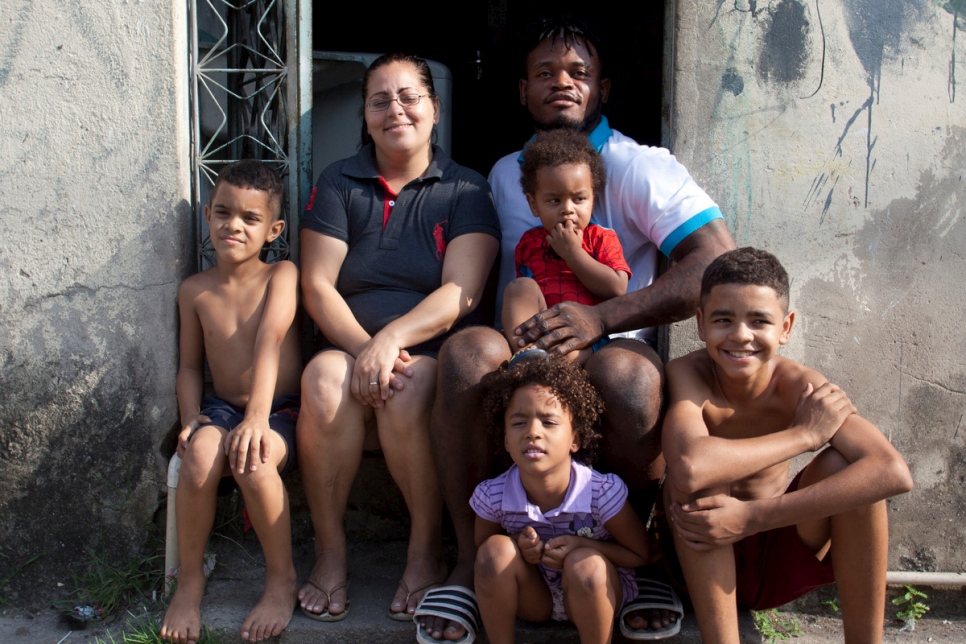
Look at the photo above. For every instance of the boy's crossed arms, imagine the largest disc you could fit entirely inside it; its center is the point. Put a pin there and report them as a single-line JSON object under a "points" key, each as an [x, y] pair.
{"points": [[738, 412]]}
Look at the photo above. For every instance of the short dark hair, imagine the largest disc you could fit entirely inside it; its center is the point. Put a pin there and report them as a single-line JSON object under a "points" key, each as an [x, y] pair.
{"points": [[422, 70], [569, 383], [568, 30], [552, 148], [746, 266], [254, 175]]}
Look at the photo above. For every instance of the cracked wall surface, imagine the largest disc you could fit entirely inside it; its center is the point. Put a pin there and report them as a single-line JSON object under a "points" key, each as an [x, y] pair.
{"points": [[93, 198], [837, 140]]}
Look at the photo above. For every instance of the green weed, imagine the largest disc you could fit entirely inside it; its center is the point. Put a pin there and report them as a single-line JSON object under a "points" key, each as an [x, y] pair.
{"points": [[832, 604], [108, 586], [911, 609], [773, 626], [145, 629]]}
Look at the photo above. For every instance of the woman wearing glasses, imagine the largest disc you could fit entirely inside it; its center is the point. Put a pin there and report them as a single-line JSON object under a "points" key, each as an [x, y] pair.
{"points": [[395, 248]]}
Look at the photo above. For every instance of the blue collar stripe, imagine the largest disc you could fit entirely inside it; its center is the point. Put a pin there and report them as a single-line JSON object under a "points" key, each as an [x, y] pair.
{"points": [[704, 217]]}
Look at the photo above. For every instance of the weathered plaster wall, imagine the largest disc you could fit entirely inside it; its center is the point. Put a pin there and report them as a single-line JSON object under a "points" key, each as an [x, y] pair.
{"points": [[93, 200], [833, 133]]}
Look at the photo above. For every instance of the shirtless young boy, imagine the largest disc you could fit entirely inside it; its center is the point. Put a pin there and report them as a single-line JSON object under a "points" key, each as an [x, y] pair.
{"points": [[239, 315], [738, 413]]}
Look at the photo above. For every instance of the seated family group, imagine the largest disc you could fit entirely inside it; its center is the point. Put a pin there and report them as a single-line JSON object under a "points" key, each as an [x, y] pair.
{"points": [[396, 246]]}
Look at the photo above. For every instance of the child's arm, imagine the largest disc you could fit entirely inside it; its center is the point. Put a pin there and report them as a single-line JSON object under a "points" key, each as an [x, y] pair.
{"points": [[484, 529], [600, 279], [875, 472], [248, 444], [698, 461], [189, 384], [628, 550]]}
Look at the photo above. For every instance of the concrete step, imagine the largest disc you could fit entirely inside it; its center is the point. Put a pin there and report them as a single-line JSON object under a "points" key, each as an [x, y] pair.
{"points": [[376, 568]]}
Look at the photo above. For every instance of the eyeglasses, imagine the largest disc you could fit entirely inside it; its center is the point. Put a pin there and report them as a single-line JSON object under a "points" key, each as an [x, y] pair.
{"points": [[406, 100]]}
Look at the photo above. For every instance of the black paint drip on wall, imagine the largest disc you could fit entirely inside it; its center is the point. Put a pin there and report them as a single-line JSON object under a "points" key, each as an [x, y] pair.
{"points": [[784, 50], [875, 26]]}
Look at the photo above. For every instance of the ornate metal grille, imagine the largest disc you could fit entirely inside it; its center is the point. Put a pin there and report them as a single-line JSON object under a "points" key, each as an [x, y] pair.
{"points": [[249, 89]]}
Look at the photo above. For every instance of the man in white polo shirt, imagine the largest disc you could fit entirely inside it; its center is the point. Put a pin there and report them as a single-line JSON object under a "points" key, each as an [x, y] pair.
{"points": [[654, 206]]}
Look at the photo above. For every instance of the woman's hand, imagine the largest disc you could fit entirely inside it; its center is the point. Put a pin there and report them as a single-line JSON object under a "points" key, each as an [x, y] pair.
{"points": [[377, 369]]}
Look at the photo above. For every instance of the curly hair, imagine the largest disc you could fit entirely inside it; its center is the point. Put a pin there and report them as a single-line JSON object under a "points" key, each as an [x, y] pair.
{"points": [[568, 30], [746, 266], [568, 382], [563, 146]]}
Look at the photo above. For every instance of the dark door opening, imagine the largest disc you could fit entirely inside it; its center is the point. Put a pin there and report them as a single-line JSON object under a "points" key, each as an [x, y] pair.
{"points": [[488, 120]]}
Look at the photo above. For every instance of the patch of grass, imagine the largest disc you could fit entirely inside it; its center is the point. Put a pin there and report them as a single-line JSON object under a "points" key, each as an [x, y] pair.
{"points": [[146, 629], [832, 604], [108, 585], [16, 571], [911, 609], [773, 626]]}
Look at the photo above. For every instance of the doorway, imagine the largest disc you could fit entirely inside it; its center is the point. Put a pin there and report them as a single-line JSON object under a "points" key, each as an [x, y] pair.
{"points": [[477, 45]]}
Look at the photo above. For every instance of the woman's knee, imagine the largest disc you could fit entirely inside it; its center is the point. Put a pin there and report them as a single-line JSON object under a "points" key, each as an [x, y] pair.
{"points": [[494, 556]]}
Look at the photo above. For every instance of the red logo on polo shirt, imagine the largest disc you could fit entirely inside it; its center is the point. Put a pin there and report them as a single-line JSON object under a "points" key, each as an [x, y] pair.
{"points": [[440, 240]]}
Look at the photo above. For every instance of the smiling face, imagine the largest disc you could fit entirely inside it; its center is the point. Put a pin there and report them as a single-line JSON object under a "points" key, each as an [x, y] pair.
{"points": [[742, 326], [564, 193], [538, 432], [241, 221], [563, 87], [399, 130]]}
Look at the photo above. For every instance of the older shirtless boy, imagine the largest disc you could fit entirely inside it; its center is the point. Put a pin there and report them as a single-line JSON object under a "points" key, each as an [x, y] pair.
{"points": [[239, 315], [738, 413]]}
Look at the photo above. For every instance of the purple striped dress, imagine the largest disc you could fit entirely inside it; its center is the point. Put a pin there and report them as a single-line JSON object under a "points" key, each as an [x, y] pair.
{"points": [[592, 500]]}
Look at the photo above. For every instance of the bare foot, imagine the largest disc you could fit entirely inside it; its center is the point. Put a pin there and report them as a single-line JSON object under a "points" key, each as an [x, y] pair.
{"points": [[329, 573], [273, 611], [442, 629], [421, 574], [652, 619], [182, 620]]}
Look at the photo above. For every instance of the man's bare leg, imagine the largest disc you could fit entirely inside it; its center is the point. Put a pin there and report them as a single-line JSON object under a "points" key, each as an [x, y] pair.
{"points": [[630, 377], [201, 470], [266, 500], [460, 447]]}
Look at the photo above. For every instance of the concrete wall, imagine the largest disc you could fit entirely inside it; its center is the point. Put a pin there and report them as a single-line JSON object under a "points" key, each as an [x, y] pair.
{"points": [[833, 133], [94, 186]]}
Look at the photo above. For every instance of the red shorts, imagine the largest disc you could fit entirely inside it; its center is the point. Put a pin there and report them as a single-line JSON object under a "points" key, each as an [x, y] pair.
{"points": [[772, 568]]}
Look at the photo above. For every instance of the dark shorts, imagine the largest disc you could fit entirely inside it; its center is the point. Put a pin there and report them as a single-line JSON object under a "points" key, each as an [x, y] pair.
{"points": [[772, 568], [282, 419]]}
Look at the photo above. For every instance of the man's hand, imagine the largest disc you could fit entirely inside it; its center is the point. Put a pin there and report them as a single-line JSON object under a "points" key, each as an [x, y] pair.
{"points": [[188, 429], [821, 412], [530, 545], [563, 328], [248, 444], [557, 550], [566, 240], [712, 522]]}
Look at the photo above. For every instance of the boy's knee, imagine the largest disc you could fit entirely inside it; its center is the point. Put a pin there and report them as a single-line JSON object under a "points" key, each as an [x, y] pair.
{"points": [[828, 462], [585, 571], [494, 556]]}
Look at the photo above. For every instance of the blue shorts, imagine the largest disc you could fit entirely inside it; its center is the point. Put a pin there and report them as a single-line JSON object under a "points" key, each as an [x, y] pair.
{"points": [[282, 419]]}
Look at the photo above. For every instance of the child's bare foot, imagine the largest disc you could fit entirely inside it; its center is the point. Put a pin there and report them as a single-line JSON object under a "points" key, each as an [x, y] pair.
{"points": [[273, 611], [421, 574], [182, 620]]}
